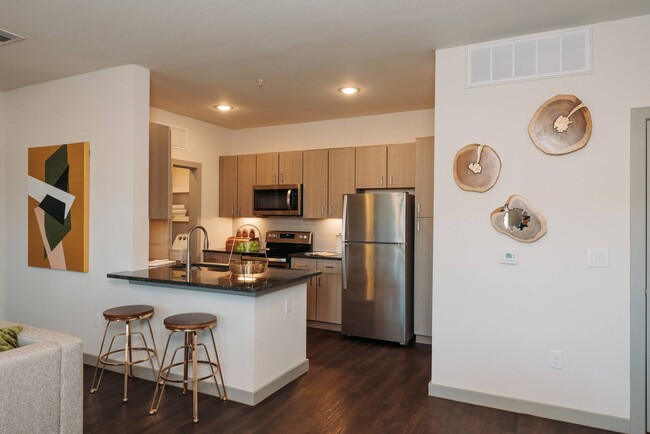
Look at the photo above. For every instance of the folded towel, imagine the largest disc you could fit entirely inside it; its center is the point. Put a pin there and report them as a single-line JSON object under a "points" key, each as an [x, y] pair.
{"points": [[178, 206]]}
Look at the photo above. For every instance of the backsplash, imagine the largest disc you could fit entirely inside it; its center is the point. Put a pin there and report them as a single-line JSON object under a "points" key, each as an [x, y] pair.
{"points": [[326, 232]]}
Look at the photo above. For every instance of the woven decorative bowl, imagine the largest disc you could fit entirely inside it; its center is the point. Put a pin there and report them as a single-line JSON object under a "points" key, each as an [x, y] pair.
{"points": [[247, 267]]}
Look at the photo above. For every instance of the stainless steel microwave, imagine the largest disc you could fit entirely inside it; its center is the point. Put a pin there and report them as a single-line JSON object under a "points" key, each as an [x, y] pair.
{"points": [[277, 200]]}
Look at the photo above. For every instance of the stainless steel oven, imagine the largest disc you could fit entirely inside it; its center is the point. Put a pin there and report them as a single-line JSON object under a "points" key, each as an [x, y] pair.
{"points": [[277, 200], [280, 245]]}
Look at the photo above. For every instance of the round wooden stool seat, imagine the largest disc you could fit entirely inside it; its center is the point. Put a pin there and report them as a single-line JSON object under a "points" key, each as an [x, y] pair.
{"points": [[129, 313], [190, 321]]}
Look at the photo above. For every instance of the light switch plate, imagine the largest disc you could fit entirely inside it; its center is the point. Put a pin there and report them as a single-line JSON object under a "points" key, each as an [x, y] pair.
{"points": [[598, 258], [510, 258]]}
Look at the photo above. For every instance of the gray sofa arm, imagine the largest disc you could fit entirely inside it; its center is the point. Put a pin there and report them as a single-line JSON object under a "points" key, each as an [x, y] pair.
{"points": [[45, 363]]}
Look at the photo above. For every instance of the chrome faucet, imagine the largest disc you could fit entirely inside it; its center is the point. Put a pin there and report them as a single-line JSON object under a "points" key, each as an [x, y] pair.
{"points": [[206, 244]]}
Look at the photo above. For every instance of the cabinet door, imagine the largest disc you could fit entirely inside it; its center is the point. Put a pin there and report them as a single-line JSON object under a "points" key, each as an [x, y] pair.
{"points": [[314, 187], [341, 179], [245, 182], [423, 282], [371, 167], [290, 167], [401, 166], [424, 177], [228, 186], [160, 168], [267, 169], [328, 298]]}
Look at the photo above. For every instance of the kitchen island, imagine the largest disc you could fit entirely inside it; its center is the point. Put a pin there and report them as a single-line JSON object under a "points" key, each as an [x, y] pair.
{"points": [[261, 320]]}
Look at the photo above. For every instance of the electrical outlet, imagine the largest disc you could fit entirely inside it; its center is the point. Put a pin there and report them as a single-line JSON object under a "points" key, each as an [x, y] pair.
{"points": [[556, 359], [287, 305], [96, 320]]}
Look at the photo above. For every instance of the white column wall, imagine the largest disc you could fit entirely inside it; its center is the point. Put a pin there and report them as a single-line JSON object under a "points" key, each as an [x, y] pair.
{"points": [[109, 109], [206, 142], [2, 195], [493, 324]]}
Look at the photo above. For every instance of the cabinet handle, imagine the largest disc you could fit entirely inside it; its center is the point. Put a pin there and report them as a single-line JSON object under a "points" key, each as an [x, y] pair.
{"points": [[232, 212], [419, 207], [322, 211], [390, 179], [239, 214], [381, 180], [281, 178], [319, 282], [331, 211], [274, 178], [418, 225]]}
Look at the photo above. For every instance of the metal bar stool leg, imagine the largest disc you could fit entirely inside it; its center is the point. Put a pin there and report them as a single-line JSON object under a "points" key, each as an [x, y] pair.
{"points": [[155, 350], [195, 384], [160, 381], [224, 396], [127, 363], [94, 388]]}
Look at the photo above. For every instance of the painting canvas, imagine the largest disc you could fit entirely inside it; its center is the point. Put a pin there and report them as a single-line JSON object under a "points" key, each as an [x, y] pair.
{"points": [[57, 188]]}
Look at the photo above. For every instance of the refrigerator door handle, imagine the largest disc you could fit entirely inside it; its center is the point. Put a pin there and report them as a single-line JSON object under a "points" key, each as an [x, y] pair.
{"points": [[344, 266]]}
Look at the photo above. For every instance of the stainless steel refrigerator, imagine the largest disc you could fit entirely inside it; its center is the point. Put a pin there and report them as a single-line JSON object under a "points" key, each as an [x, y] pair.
{"points": [[377, 265]]}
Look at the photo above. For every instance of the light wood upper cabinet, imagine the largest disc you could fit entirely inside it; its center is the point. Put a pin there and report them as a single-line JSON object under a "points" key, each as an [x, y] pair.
{"points": [[279, 168], [267, 168], [314, 188], [341, 179], [228, 206], [245, 183], [371, 167], [424, 151], [290, 167], [423, 276], [399, 166], [385, 166], [160, 166]]}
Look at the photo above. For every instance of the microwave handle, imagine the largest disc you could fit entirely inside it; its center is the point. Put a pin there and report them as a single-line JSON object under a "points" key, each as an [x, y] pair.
{"points": [[289, 199]]}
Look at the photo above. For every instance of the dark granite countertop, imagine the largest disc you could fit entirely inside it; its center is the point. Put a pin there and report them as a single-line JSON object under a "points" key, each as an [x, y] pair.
{"points": [[316, 255], [213, 279]]}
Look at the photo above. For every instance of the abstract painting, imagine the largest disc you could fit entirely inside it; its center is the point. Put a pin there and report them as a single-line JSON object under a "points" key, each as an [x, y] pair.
{"points": [[57, 189]]}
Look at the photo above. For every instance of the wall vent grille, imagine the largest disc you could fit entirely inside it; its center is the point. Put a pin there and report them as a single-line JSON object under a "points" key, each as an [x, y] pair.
{"points": [[7, 38], [544, 55]]}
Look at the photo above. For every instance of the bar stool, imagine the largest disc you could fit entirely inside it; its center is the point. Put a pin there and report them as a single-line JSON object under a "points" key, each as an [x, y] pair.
{"points": [[127, 314], [190, 324]]}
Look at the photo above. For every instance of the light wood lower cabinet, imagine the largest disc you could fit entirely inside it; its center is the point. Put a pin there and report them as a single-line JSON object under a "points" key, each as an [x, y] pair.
{"points": [[323, 291], [423, 279]]}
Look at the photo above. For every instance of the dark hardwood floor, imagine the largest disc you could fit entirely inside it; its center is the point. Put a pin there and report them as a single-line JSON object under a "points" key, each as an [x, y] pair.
{"points": [[352, 386]]}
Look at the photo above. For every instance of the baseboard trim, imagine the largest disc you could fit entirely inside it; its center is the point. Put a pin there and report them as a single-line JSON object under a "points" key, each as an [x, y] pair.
{"points": [[422, 339], [209, 388], [547, 411], [324, 325]]}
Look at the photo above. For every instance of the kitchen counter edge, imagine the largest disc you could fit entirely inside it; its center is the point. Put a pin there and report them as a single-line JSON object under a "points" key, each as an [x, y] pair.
{"points": [[216, 281]]}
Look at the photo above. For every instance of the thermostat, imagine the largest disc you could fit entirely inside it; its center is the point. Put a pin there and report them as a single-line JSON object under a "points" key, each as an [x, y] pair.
{"points": [[510, 258]]}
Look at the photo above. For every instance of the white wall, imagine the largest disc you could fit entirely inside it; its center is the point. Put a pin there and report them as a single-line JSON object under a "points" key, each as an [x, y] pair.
{"points": [[495, 324], [360, 131], [109, 109], [206, 142]]}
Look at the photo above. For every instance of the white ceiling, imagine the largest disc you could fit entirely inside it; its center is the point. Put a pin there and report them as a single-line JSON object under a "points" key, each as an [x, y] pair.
{"points": [[204, 52]]}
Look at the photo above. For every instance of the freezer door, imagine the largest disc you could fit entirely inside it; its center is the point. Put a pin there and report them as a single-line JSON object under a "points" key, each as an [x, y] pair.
{"points": [[375, 218], [377, 293]]}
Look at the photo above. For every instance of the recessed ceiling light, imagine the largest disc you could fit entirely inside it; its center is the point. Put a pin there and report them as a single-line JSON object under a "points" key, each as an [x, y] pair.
{"points": [[223, 107], [349, 90]]}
